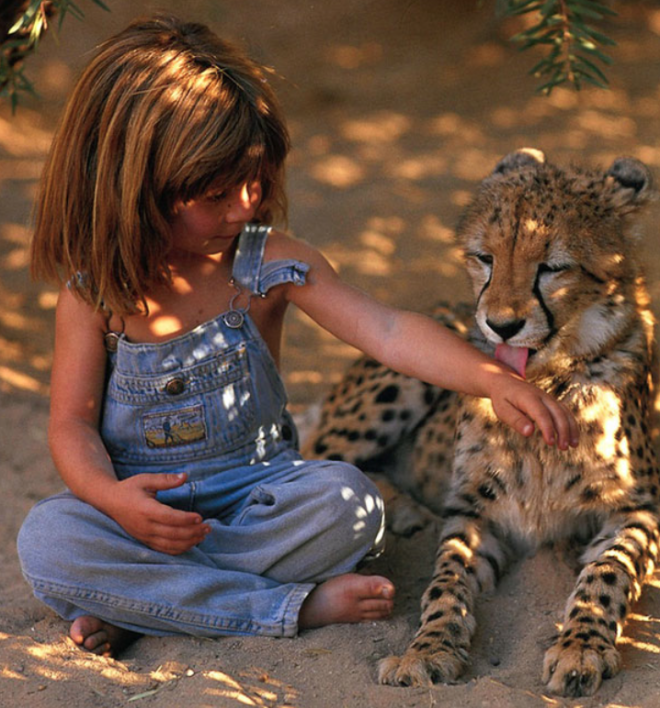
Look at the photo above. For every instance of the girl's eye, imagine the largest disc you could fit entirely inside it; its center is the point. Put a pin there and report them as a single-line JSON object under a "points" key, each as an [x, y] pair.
{"points": [[217, 196]]}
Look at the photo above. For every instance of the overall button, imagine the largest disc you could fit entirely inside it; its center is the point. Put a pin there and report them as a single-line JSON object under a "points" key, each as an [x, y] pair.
{"points": [[111, 341], [175, 386]]}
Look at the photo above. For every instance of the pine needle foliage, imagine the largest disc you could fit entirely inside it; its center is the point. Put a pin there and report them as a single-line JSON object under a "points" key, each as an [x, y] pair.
{"points": [[22, 25], [573, 47]]}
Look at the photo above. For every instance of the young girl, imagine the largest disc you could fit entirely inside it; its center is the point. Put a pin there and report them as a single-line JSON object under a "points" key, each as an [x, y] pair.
{"points": [[189, 509]]}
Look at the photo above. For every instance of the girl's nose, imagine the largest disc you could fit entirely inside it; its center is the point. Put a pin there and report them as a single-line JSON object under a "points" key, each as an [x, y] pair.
{"points": [[243, 202]]}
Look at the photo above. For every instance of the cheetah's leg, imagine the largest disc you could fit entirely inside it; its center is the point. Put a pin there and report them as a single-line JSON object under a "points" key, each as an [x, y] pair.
{"points": [[468, 561], [619, 561]]}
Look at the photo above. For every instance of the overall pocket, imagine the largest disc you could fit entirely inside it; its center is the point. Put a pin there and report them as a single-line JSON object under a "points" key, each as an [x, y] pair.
{"points": [[193, 412]]}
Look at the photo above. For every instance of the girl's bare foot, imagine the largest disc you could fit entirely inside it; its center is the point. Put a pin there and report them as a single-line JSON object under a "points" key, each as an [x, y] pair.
{"points": [[100, 637], [347, 598]]}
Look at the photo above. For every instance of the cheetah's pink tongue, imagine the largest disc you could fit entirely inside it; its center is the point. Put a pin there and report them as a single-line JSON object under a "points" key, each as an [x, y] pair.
{"points": [[515, 357]]}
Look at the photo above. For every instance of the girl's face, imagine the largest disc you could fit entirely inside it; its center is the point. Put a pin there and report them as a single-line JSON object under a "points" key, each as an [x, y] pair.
{"points": [[208, 225]]}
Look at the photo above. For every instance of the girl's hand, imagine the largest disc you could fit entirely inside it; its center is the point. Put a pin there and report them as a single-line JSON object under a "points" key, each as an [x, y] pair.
{"points": [[135, 508], [521, 405]]}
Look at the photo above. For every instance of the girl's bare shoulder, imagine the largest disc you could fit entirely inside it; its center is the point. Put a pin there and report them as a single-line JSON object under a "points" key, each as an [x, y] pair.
{"points": [[282, 246], [71, 304]]}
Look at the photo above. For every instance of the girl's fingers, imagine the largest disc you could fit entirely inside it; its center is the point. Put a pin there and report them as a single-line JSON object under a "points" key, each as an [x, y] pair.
{"points": [[175, 540], [564, 426], [167, 516], [514, 416], [159, 482], [524, 406], [556, 423], [547, 423], [561, 426], [180, 533]]}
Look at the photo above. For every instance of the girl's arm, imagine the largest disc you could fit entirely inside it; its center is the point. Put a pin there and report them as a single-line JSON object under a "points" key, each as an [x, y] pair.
{"points": [[417, 346], [77, 384]]}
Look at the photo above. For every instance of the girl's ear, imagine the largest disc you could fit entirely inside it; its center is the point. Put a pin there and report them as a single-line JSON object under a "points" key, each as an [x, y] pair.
{"points": [[631, 183], [518, 160]]}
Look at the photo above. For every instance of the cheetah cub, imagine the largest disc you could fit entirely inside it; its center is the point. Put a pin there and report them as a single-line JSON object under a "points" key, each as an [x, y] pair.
{"points": [[560, 297]]}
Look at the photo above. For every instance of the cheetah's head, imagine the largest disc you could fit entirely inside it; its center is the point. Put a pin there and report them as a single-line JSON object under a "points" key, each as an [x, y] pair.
{"points": [[551, 257]]}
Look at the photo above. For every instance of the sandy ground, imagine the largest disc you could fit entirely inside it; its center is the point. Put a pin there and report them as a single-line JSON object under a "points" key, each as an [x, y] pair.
{"points": [[397, 109]]}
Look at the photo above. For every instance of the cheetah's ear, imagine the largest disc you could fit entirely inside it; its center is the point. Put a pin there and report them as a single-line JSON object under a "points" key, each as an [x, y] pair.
{"points": [[518, 160], [631, 182]]}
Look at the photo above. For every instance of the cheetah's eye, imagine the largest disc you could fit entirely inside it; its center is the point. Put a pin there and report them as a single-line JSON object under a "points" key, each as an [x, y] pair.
{"points": [[544, 268], [484, 258]]}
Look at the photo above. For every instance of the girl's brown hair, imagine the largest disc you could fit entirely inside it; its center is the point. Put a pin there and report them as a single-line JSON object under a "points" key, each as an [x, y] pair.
{"points": [[164, 110]]}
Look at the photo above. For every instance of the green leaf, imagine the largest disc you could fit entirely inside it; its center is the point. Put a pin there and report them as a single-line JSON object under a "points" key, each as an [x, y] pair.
{"points": [[586, 36], [598, 36], [591, 66], [595, 6], [530, 33], [27, 16], [595, 82], [588, 13], [542, 67], [539, 71], [523, 8], [38, 27], [25, 84], [27, 31], [553, 83], [548, 42], [592, 49], [102, 5], [549, 7], [523, 4], [68, 6]]}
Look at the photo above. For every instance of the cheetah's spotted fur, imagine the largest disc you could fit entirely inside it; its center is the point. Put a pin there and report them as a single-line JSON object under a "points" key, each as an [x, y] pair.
{"points": [[554, 269]]}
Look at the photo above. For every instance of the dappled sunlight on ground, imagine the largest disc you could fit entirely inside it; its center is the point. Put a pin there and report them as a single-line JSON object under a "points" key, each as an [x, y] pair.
{"points": [[45, 668]]}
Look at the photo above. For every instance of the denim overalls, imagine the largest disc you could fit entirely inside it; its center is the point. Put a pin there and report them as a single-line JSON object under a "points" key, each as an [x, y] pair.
{"points": [[209, 403]]}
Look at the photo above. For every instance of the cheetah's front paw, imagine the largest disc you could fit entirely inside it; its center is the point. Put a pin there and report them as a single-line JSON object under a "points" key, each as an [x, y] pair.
{"points": [[576, 670], [421, 669]]}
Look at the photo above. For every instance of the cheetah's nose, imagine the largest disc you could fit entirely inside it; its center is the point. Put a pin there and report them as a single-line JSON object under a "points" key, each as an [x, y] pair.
{"points": [[506, 329]]}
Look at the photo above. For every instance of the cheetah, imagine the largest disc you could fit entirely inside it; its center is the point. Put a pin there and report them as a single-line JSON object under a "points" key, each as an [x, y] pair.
{"points": [[560, 297]]}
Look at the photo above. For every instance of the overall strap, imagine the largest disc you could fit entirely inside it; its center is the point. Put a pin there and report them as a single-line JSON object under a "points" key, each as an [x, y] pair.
{"points": [[250, 271], [249, 257]]}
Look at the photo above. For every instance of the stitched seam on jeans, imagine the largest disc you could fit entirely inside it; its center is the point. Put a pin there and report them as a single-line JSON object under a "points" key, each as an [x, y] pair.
{"points": [[160, 611]]}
